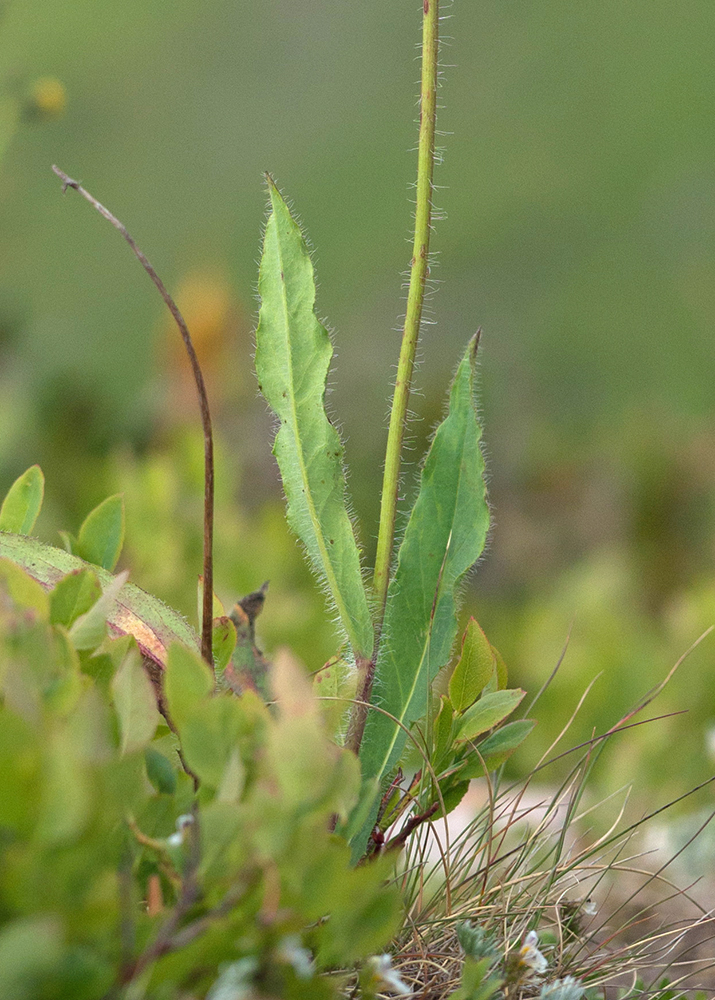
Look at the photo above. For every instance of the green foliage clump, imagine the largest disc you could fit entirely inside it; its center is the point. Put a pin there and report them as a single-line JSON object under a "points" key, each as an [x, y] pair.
{"points": [[161, 840]]}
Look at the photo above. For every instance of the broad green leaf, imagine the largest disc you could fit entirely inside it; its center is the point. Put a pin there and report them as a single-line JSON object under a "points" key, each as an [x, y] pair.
{"points": [[153, 625], [22, 588], [223, 641], [451, 797], [293, 355], [507, 737], [90, 629], [488, 712], [73, 596], [497, 748], [475, 667], [187, 682], [445, 534], [159, 771], [135, 703], [23, 502], [101, 536]]}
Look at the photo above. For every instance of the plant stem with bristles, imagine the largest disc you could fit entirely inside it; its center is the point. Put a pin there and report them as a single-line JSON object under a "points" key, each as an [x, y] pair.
{"points": [[419, 269]]}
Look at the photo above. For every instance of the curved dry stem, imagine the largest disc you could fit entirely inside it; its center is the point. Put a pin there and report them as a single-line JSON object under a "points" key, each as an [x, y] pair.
{"points": [[207, 608]]}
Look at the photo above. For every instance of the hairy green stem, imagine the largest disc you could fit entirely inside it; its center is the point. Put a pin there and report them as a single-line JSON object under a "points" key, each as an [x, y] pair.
{"points": [[415, 298]]}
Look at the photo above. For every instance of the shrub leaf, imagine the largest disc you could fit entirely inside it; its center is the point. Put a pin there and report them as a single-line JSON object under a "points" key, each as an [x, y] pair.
{"points": [[23, 502]]}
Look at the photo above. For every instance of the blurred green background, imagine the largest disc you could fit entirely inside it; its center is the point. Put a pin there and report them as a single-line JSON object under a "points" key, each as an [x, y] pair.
{"points": [[578, 184]]}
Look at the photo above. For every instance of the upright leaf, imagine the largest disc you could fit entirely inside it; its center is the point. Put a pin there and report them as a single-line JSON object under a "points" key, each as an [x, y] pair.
{"points": [[23, 502], [135, 703], [474, 669], [445, 534], [101, 536], [293, 355]]}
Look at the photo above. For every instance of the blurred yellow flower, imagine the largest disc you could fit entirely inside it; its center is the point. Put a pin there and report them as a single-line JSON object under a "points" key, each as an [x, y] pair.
{"points": [[47, 98]]}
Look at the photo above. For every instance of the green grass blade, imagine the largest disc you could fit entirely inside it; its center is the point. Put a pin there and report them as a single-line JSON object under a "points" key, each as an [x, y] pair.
{"points": [[23, 502], [445, 535], [293, 355]]}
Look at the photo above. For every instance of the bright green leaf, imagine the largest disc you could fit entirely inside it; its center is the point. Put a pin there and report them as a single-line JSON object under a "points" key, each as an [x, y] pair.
{"points": [[452, 795], [223, 641], [445, 534], [475, 667], [73, 596], [293, 355], [488, 712], [23, 502], [22, 588], [101, 536], [90, 629], [135, 703], [187, 681], [497, 748]]}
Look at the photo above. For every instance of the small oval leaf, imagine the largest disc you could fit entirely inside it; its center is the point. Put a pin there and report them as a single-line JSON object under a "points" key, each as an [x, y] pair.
{"points": [[160, 772], [135, 703], [101, 536], [23, 502], [474, 669], [488, 712], [73, 596]]}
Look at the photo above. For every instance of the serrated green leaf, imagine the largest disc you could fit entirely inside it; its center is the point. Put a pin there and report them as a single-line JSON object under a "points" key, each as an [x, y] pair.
{"points": [[101, 536], [135, 703], [223, 641], [23, 502], [445, 535], [476, 665], [73, 596], [488, 712], [293, 355], [151, 623]]}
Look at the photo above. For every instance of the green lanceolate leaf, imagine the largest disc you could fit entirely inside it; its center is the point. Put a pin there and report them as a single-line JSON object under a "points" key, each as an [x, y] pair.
{"points": [[23, 502], [293, 355], [133, 612], [445, 535], [101, 536]]}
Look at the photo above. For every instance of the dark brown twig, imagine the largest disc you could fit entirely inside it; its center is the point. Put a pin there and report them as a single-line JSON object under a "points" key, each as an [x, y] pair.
{"points": [[207, 611]]}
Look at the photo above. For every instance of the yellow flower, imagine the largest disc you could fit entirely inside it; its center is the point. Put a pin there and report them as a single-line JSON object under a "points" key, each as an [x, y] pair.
{"points": [[47, 98]]}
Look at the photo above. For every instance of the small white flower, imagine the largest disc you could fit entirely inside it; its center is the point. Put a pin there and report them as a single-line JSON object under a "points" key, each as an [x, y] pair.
{"points": [[530, 955], [292, 952], [387, 978], [589, 907], [182, 822]]}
